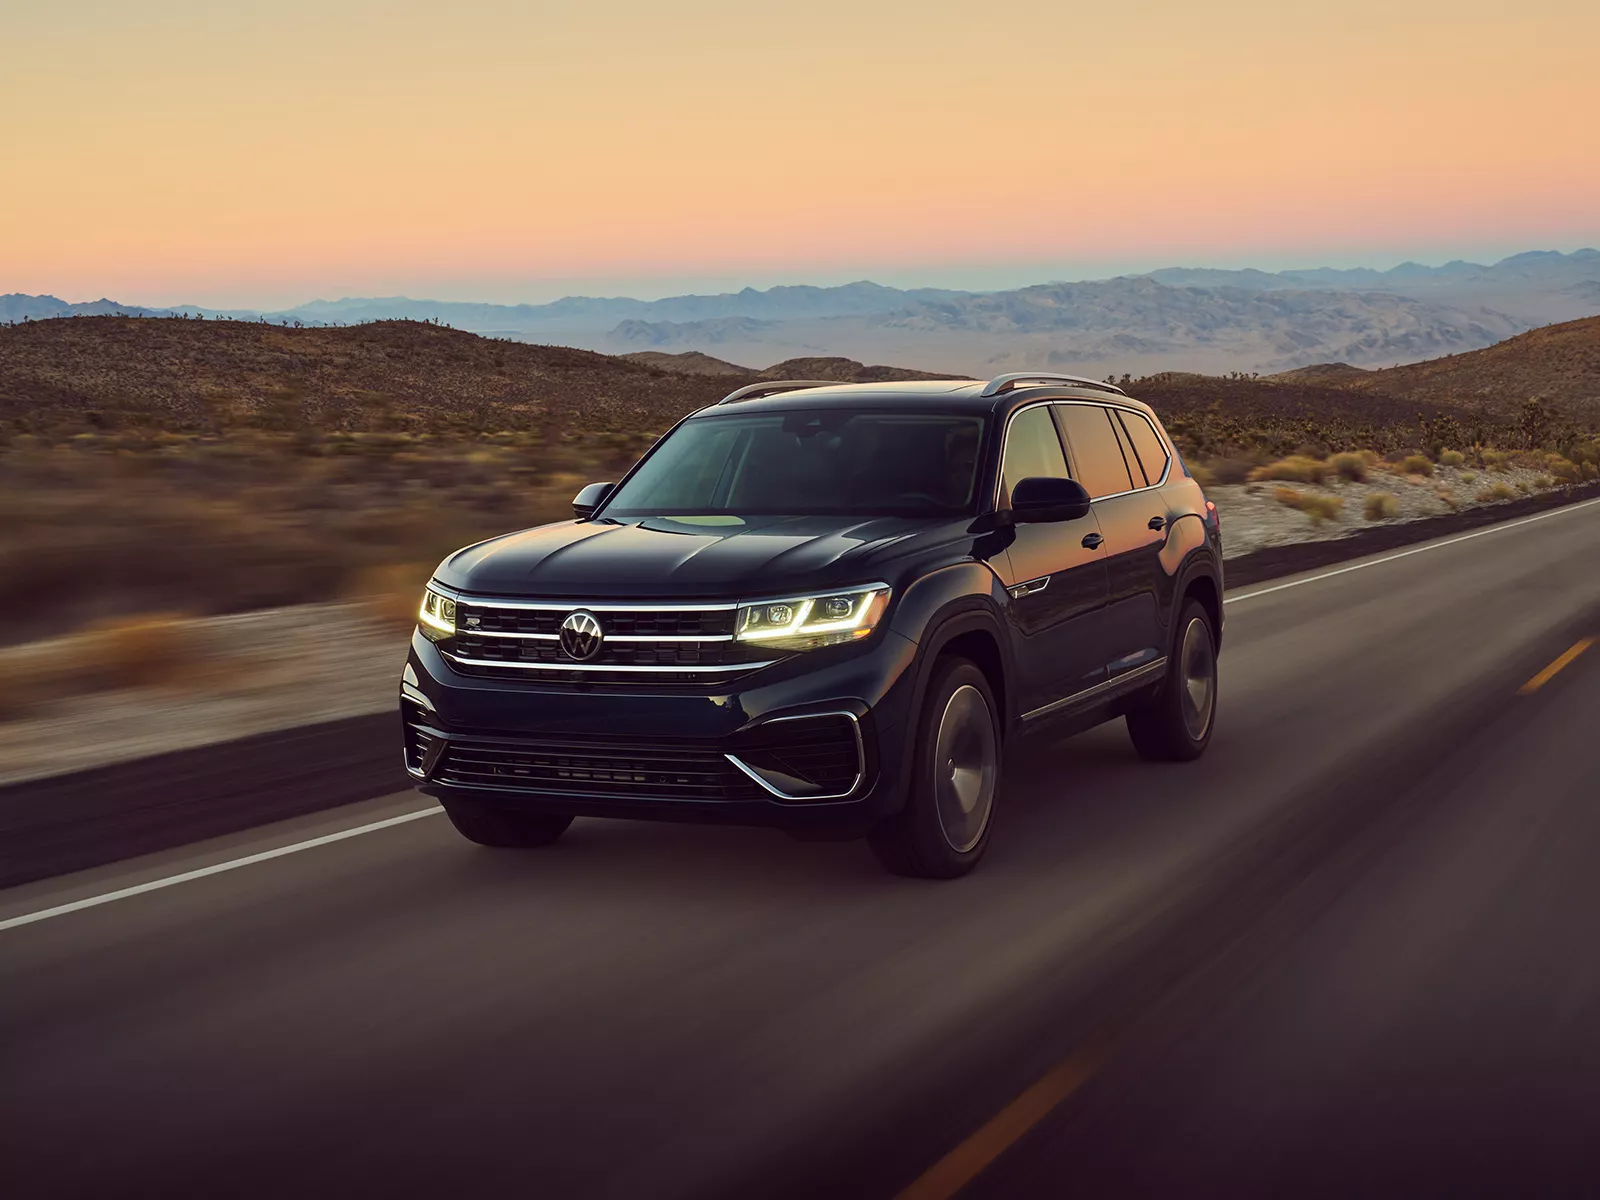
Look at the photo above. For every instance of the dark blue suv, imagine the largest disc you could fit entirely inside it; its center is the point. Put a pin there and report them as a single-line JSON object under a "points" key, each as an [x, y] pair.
{"points": [[828, 608]]}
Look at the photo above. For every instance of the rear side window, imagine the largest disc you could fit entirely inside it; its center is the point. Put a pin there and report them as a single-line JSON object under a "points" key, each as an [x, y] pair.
{"points": [[1147, 444], [1032, 448], [1095, 451]]}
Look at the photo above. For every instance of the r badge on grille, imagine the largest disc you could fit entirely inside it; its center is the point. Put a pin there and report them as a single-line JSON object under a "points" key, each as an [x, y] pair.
{"points": [[581, 635]]}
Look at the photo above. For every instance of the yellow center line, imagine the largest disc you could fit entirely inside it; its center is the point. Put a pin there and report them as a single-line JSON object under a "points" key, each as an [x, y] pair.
{"points": [[1002, 1131], [1555, 668]]}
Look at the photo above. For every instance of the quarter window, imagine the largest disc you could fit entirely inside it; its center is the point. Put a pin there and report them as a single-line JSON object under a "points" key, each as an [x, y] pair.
{"points": [[1147, 443], [1095, 450], [1033, 447]]}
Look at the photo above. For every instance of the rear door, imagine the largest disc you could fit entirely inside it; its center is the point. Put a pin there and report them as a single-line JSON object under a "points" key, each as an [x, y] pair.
{"points": [[1055, 575], [1132, 518]]}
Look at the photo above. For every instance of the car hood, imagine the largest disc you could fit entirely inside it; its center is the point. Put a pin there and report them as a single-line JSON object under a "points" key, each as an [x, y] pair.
{"points": [[660, 557]]}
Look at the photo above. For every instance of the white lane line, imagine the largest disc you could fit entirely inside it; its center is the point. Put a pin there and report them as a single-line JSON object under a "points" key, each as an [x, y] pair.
{"points": [[1378, 562], [45, 914]]}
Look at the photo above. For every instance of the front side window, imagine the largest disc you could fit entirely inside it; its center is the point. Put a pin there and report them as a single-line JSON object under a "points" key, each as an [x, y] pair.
{"points": [[719, 469], [1033, 447], [1096, 451]]}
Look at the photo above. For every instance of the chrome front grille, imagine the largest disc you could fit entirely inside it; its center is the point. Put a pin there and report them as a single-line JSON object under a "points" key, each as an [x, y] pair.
{"points": [[641, 643]]}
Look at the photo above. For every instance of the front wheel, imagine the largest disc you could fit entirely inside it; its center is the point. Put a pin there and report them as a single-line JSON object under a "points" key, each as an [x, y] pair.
{"points": [[944, 828], [491, 824], [1174, 724]]}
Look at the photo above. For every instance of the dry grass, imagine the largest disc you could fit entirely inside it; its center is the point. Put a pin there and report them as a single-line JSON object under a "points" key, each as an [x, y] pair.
{"points": [[1416, 464], [1351, 466], [1452, 458], [1380, 506], [1297, 468], [1318, 507], [392, 593], [156, 650]]}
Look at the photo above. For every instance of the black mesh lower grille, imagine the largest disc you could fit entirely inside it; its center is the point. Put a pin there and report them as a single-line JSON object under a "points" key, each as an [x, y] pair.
{"points": [[606, 769], [822, 751]]}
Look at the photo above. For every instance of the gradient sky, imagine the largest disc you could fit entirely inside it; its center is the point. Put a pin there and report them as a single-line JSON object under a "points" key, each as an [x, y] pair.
{"points": [[257, 154]]}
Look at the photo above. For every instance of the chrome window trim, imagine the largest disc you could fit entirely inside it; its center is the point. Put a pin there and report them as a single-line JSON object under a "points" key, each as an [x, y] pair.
{"points": [[1099, 689], [861, 757], [614, 669], [1005, 439]]}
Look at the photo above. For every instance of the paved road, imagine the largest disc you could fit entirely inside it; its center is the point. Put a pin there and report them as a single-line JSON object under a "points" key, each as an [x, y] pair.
{"points": [[1354, 944]]}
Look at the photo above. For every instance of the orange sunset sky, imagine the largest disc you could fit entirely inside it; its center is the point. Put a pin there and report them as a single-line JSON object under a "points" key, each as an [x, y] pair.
{"points": [[246, 153]]}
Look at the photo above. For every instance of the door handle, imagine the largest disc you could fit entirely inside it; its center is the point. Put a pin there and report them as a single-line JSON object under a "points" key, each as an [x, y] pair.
{"points": [[1158, 522], [1091, 541]]}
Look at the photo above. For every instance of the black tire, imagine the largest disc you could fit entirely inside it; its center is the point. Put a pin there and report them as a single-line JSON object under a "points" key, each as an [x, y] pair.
{"points": [[945, 826], [491, 824], [1174, 724]]}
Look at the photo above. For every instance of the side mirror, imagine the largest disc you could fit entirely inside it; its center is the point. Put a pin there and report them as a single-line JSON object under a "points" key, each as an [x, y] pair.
{"points": [[591, 498], [1042, 498]]}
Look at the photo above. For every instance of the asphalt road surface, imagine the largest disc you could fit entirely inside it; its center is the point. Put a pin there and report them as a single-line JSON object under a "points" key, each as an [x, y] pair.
{"points": [[1353, 950]]}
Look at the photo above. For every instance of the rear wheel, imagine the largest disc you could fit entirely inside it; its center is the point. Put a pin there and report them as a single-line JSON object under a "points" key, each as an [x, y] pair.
{"points": [[944, 828], [1174, 724], [491, 824]]}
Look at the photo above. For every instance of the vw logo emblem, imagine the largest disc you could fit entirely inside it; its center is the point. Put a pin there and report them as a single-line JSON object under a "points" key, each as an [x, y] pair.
{"points": [[581, 635]]}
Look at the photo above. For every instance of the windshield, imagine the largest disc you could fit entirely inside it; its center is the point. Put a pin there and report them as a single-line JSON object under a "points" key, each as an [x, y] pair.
{"points": [[812, 462]]}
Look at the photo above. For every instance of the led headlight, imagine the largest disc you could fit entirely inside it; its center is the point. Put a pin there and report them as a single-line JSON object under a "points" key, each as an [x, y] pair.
{"points": [[806, 622], [437, 618]]}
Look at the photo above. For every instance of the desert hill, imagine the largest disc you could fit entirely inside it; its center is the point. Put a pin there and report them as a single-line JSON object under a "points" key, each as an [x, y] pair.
{"points": [[1558, 365], [107, 372]]}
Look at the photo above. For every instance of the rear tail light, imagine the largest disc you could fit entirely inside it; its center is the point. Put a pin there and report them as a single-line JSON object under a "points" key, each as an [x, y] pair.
{"points": [[1212, 515]]}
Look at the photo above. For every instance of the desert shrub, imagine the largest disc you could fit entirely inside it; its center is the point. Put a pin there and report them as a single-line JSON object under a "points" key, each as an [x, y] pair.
{"points": [[1318, 507], [1297, 468], [128, 652], [1380, 506], [1416, 464], [391, 592], [1452, 458], [1524, 487], [1565, 470], [1350, 466], [1544, 481], [1468, 476], [1228, 471], [1447, 498]]}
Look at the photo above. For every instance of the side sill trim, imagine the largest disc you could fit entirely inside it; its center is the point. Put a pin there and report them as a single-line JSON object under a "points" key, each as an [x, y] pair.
{"points": [[1115, 684]]}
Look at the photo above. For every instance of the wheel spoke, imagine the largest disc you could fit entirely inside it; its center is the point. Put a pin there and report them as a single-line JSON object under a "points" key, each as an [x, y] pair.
{"points": [[966, 767], [1198, 661]]}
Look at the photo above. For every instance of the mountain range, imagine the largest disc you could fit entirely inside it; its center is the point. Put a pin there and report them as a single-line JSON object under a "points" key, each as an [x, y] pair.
{"points": [[1175, 319]]}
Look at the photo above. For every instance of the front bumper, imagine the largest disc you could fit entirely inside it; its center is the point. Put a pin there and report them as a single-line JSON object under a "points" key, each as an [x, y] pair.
{"points": [[725, 753]]}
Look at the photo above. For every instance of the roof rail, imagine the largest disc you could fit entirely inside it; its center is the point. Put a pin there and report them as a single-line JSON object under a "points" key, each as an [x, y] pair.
{"points": [[754, 391], [1006, 383]]}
